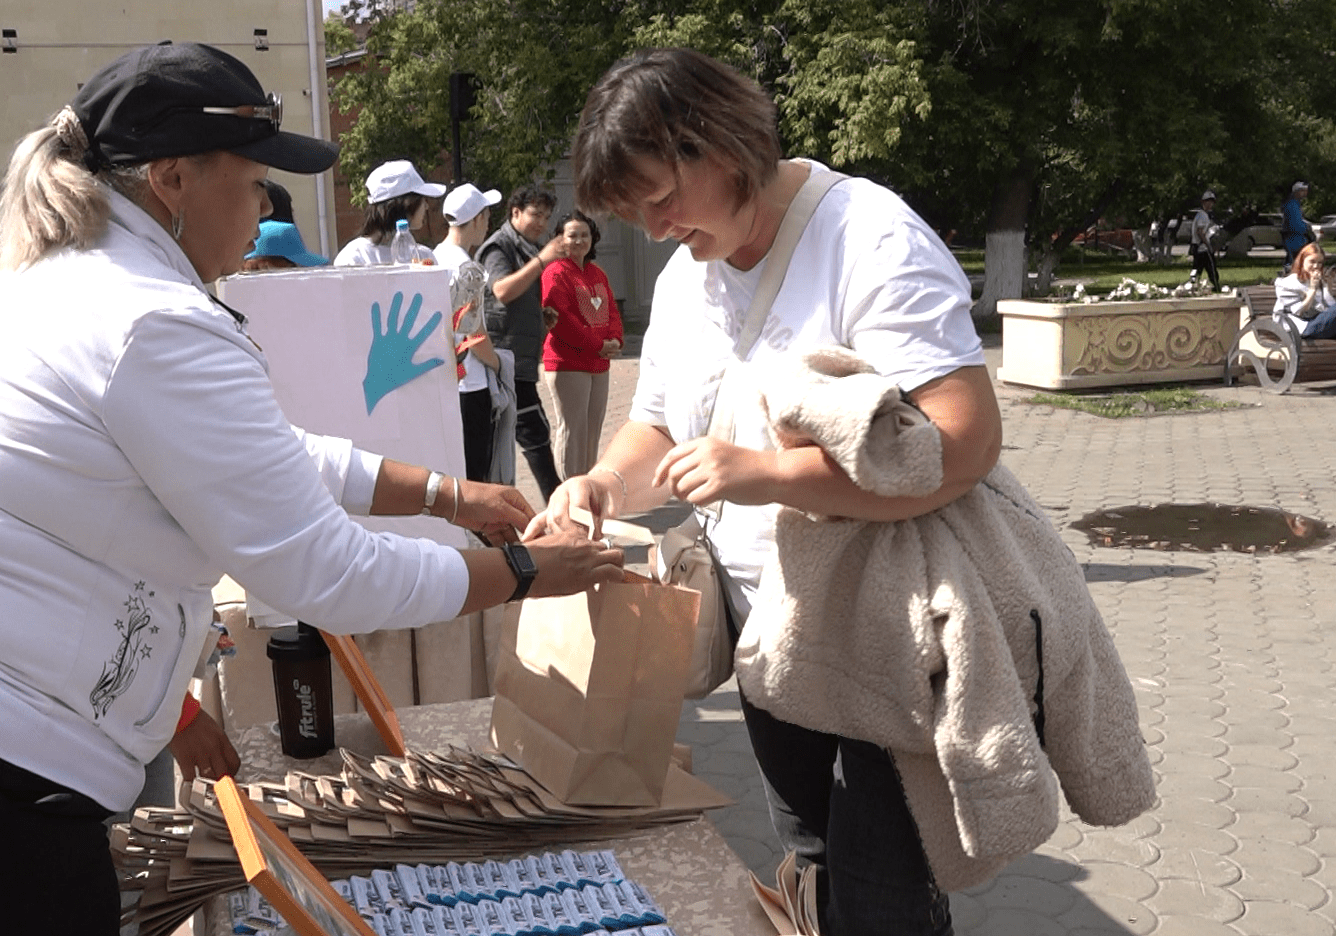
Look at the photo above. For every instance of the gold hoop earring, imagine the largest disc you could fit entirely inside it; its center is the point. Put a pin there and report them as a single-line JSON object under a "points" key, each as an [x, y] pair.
{"points": [[178, 224]]}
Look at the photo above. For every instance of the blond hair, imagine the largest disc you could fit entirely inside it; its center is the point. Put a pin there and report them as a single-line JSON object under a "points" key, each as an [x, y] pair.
{"points": [[50, 200]]}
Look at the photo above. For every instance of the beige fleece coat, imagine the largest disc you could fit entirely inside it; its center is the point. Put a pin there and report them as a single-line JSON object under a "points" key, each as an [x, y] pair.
{"points": [[920, 635]]}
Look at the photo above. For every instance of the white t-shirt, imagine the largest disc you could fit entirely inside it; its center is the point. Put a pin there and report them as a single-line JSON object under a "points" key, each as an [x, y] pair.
{"points": [[1201, 227], [868, 274], [360, 251], [452, 257]]}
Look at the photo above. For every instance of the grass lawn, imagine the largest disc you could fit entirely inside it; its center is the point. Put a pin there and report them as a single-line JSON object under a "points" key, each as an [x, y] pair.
{"points": [[1134, 403]]}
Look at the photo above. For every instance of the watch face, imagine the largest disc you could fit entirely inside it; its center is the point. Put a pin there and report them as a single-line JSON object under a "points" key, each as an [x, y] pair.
{"points": [[521, 560]]}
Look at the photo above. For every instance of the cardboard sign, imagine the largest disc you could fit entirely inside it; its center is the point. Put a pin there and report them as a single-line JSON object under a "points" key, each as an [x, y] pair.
{"points": [[360, 352]]}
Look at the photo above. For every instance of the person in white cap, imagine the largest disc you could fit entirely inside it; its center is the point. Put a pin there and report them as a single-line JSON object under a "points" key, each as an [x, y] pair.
{"points": [[1201, 249], [395, 191], [1295, 233], [466, 210]]}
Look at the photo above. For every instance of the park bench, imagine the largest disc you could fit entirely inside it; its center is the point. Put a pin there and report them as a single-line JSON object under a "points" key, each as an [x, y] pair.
{"points": [[1273, 349]]}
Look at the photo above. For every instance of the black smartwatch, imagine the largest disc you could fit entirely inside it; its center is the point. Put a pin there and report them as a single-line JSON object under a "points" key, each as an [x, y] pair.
{"points": [[522, 564]]}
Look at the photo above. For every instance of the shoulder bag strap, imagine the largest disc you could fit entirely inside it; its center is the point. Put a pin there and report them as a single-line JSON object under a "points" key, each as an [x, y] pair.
{"points": [[791, 228]]}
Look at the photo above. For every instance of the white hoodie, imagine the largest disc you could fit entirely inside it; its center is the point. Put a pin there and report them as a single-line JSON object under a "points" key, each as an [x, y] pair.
{"points": [[142, 455]]}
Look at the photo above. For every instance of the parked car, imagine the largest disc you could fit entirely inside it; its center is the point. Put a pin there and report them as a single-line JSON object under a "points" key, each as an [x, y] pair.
{"points": [[1264, 232], [1326, 227], [1095, 236]]}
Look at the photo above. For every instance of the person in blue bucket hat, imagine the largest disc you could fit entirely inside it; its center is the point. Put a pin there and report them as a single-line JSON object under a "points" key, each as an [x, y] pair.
{"points": [[279, 247]]}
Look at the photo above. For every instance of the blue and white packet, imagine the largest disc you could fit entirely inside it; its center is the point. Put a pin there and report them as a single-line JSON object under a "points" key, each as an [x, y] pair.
{"points": [[581, 913], [533, 906], [387, 885], [444, 920], [517, 918], [521, 876], [558, 916], [466, 919], [605, 866], [646, 904], [543, 877], [498, 881], [366, 898], [401, 923], [410, 887], [606, 909]]}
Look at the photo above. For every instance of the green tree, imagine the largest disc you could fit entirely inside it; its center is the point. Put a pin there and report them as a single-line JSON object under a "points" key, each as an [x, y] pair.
{"points": [[535, 61], [339, 37], [1022, 121]]}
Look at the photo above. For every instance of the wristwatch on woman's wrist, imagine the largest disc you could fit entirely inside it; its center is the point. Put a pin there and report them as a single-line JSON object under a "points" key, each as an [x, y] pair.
{"points": [[521, 563]]}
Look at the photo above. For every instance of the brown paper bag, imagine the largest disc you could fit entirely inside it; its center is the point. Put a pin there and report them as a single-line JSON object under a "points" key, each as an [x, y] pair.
{"points": [[589, 690]]}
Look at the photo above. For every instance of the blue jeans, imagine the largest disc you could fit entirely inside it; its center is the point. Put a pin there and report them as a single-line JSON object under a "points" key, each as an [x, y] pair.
{"points": [[839, 803], [1323, 325]]}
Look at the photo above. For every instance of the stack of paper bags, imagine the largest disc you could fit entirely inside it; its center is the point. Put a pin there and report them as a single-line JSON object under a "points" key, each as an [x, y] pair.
{"points": [[433, 807], [791, 903]]}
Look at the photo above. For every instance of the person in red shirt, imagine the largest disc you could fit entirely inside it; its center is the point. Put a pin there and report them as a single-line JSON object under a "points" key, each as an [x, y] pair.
{"points": [[578, 350]]}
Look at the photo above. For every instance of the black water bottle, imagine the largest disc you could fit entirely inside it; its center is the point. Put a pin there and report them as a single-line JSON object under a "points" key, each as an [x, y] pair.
{"points": [[303, 690]]}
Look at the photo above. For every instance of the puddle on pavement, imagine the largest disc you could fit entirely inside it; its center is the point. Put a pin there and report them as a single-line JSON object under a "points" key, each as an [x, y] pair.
{"points": [[1204, 528]]}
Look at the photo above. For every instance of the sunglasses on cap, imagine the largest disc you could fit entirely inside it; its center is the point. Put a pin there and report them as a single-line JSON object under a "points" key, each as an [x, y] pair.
{"points": [[272, 111]]}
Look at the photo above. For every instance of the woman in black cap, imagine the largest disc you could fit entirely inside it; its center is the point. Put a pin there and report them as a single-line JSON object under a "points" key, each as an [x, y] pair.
{"points": [[142, 455]]}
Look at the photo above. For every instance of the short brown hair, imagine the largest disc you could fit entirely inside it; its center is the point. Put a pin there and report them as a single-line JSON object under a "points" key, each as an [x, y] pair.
{"points": [[671, 105]]}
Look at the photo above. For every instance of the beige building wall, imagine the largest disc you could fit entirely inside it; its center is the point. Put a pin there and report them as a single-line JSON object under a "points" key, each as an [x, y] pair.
{"points": [[56, 44]]}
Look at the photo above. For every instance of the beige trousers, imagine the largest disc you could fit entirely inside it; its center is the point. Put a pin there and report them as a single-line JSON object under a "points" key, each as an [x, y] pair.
{"points": [[579, 403]]}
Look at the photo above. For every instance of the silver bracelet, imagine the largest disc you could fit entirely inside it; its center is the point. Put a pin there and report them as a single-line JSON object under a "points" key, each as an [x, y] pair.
{"points": [[455, 513], [616, 474], [434, 480]]}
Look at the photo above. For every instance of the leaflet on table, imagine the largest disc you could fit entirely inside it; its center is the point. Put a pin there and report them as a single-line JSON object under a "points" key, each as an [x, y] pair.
{"points": [[553, 894]]}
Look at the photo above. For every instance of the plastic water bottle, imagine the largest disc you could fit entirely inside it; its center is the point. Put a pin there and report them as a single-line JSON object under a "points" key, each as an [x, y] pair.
{"points": [[403, 248]]}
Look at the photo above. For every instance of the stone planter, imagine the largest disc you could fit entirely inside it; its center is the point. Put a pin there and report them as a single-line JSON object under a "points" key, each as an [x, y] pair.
{"points": [[1073, 346]]}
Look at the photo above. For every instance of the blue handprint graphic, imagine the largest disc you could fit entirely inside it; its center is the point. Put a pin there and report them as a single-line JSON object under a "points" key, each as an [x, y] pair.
{"points": [[389, 363]]}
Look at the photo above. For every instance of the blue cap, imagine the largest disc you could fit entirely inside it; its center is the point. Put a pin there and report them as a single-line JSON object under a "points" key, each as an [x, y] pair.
{"points": [[281, 239]]}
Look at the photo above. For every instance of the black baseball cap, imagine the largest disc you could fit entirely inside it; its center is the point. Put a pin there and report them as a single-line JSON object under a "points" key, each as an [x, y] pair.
{"points": [[181, 99]]}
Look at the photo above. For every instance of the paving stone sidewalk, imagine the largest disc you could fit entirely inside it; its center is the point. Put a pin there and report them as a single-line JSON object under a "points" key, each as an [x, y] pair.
{"points": [[1231, 657]]}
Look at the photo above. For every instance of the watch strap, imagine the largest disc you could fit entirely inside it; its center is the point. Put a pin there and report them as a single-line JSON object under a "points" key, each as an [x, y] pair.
{"points": [[522, 565]]}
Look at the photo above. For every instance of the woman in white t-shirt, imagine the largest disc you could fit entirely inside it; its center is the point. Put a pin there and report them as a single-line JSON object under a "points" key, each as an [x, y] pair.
{"points": [[686, 148], [395, 191], [1306, 297]]}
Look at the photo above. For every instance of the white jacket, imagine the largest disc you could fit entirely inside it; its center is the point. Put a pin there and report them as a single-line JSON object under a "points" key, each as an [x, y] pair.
{"points": [[142, 455]]}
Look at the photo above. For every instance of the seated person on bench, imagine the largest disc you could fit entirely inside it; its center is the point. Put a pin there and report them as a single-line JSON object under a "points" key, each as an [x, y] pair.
{"points": [[1306, 298]]}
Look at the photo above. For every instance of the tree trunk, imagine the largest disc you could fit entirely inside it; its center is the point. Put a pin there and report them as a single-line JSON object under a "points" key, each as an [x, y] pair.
{"points": [[1004, 259], [1048, 263], [1052, 248], [1142, 243]]}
